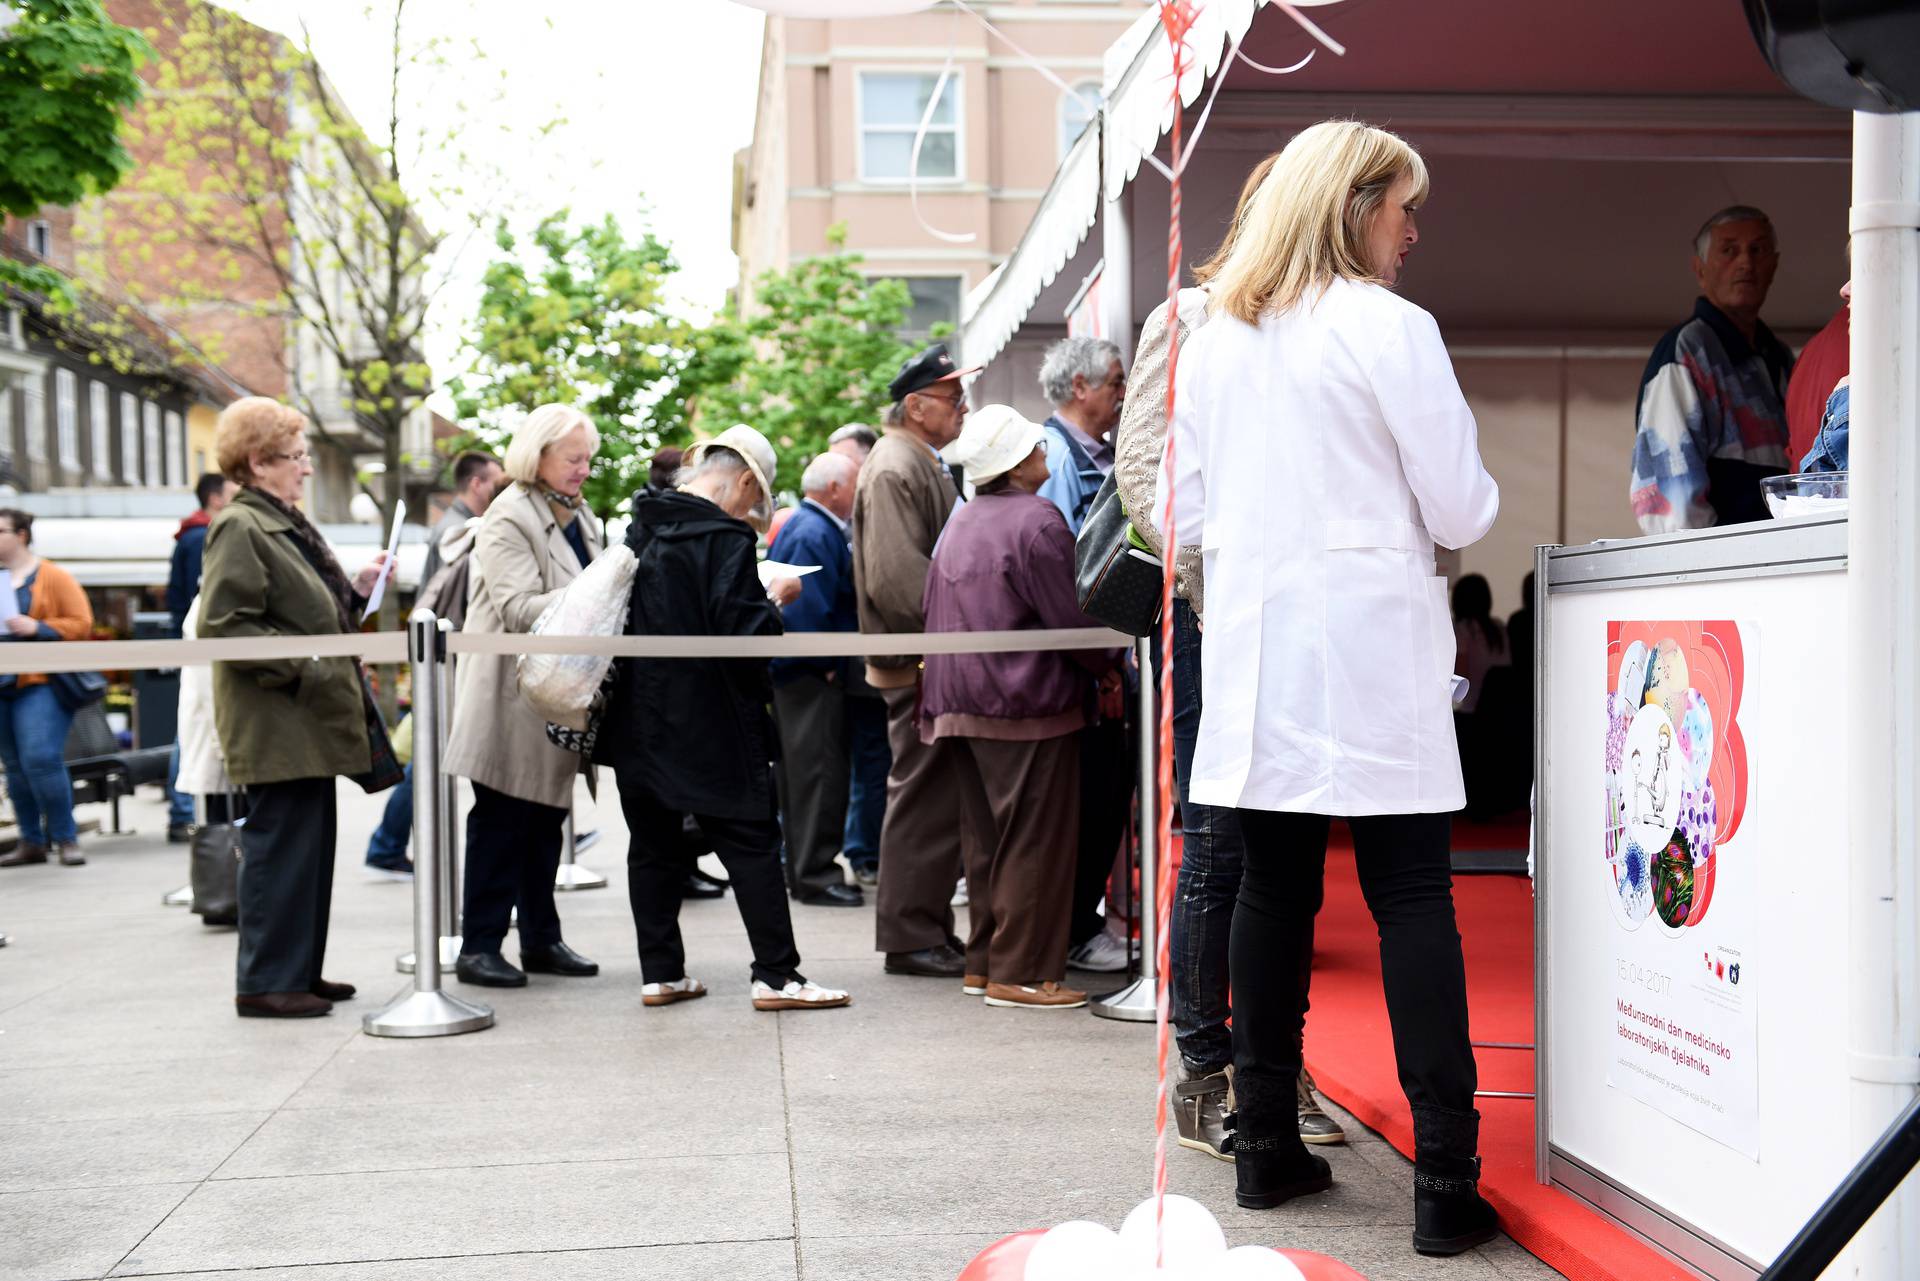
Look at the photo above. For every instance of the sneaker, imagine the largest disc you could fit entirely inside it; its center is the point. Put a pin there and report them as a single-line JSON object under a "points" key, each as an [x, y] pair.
{"points": [[1200, 1107], [179, 833], [584, 841], [1101, 954], [390, 872], [681, 989], [866, 875], [974, 985], [959, 898], [798, 994], [69, 853], [1315, 1125], [1034, 996]]}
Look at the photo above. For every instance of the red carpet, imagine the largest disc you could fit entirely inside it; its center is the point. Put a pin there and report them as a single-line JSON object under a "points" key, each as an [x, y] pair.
{"points": [[1350, 1052]]}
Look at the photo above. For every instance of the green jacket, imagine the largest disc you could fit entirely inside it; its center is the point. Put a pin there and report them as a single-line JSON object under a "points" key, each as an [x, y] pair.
{"points": [[278, 719]]}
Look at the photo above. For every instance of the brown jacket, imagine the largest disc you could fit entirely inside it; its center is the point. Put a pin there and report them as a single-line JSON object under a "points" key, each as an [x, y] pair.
{"points": [[61, 603], [900, 505], [1142, 436], [520, 560]]}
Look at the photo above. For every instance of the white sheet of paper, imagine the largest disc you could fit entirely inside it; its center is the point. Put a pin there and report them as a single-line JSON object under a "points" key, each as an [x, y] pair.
{"points": [[772, 569], [393, 554], [9, 601]]}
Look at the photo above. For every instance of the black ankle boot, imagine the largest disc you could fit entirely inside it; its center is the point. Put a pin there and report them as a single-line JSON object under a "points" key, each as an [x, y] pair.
{"points": [[1271, 1165], [1449, 1214]]}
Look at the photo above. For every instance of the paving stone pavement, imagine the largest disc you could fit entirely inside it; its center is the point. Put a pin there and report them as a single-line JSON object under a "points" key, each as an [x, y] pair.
{"points": [[148, 1132]]}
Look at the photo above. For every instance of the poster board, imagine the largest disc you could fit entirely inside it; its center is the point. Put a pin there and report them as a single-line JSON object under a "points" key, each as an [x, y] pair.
{"points": [[1692, 909]]}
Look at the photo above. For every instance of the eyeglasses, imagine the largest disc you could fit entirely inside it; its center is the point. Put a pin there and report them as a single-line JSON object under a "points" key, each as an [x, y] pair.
{"points": [[298, 456], [948, 400]]}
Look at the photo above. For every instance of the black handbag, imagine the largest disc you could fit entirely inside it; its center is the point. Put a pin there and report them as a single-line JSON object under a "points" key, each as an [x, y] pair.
{"points": [[76, 690], [216, 873], [384, 769], [1118, 583]]}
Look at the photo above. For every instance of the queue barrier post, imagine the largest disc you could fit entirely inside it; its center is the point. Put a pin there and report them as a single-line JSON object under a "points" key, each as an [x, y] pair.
{"points": [[447, 796], [1138, 1001], [572, 874], [426, 1010]]}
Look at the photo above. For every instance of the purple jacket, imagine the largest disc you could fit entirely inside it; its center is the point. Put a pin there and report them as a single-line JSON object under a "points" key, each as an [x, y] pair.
{"points": [[1005, 563]]}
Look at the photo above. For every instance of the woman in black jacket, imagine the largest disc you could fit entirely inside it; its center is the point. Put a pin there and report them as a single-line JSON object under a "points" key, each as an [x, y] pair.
{"points": [[692, 735]]}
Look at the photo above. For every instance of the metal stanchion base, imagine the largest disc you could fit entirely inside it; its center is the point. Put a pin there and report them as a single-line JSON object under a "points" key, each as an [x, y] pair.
{"points": [[428, 1014], [573, 876], [449, 955], [1134, 1003], [182, 897]]}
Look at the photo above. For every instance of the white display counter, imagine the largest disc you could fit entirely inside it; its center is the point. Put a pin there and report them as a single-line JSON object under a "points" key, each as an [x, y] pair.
{"points": [[1691, 896]]}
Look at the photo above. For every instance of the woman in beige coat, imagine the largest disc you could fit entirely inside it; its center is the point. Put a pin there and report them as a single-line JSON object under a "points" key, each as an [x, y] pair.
{"points": [[536, 536]]}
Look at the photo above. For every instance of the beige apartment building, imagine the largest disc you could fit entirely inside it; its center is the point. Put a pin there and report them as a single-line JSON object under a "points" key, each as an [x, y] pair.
{"points": [[840, 103]]}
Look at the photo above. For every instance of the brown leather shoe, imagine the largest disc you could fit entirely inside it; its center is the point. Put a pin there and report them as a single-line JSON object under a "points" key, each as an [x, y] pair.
{"points": [[974, 984], [327, 991], [69, 852], [281, 1005], [23, 854], [1035, 996]]}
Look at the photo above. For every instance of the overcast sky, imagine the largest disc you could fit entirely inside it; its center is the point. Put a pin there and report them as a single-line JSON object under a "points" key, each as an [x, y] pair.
{"points": [[656, 95]]}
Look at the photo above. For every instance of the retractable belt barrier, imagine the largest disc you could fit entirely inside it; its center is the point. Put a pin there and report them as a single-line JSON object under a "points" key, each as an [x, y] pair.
{"points": [[424, 1010]]}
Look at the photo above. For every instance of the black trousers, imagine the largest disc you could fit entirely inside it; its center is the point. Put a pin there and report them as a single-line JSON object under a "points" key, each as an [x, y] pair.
{"points": [[1106, 788], [656, 874], [1408, 883], [513, 852], [813, 775], [286, 885]]}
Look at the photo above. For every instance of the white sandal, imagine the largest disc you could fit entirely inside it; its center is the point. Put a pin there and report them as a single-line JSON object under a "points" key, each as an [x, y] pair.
{"points": [[797, 995], [681, 989]]}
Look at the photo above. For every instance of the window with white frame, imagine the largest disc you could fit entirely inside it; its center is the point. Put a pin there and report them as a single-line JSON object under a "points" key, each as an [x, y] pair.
{"points": [[891, 104], [40, 238], [34, 426], [99, 428], [6, 419], [129, 438], [176, 449], [150, 444], [932, 300], [66, 417], [1077, 112]]}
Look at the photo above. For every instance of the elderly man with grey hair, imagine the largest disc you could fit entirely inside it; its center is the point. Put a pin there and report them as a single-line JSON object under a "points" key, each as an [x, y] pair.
{"points": [[1712, 420], [1083, 381], [810, 694]]}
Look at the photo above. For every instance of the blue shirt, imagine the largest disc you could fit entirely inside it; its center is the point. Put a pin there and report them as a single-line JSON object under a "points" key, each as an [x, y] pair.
{"points": [[1073, 474], [813, 536], [1830, 447]]}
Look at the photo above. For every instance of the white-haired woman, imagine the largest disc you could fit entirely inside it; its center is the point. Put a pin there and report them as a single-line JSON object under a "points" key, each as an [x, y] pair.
{"points": [[536, 536], [1328, 650]]}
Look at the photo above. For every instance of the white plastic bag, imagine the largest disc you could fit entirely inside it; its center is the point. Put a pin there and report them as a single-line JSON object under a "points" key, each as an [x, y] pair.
{"points": [[561, 686]]}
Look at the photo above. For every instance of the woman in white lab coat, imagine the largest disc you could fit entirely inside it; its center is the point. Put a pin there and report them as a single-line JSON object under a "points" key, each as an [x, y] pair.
{"points": [[1320, 449]]}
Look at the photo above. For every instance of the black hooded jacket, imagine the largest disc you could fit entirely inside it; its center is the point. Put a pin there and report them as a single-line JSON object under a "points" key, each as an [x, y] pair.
{"points": [[696, 730]]}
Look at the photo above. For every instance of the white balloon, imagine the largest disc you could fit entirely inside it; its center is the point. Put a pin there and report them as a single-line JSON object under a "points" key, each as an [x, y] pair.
{"points": [[837, 8], [1257, 1263], [1190, 1239], [1075, 1251]]}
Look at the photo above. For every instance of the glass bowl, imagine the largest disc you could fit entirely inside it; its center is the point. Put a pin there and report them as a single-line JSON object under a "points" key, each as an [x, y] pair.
{"points": [[1806, 493]]}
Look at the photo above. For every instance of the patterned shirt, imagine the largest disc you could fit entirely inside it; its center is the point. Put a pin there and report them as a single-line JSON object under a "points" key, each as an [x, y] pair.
{"points": [[1712, 424]]}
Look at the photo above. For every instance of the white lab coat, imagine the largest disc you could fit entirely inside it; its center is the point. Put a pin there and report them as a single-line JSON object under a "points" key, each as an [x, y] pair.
{"points": [[1318, 458], [203, 771]]}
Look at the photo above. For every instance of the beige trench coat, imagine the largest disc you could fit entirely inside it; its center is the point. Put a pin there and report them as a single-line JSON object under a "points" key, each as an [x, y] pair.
{"points": [[521, 560]]}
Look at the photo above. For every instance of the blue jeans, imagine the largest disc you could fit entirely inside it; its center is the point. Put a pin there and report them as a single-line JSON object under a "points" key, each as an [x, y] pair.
{"points": [[33, 744], [872, 758], [389, 843], [179, 803], [1209, 882]]}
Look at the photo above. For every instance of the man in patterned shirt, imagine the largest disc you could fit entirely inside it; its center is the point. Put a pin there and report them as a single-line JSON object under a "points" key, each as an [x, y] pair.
{"points": [[1712, 416]]}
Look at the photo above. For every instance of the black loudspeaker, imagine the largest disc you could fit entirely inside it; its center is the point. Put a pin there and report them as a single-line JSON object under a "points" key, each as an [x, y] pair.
{"points": [[1863, 55]]}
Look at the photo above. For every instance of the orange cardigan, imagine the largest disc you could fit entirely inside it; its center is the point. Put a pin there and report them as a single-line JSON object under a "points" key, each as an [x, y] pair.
{"points": [[60, 603]]}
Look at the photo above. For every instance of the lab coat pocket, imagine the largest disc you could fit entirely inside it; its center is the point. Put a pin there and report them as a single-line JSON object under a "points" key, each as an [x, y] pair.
{"points": [[1442, 648]]}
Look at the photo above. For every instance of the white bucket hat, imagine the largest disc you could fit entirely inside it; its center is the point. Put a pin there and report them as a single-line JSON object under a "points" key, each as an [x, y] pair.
{"points": [[994, 441], [750, 445]]}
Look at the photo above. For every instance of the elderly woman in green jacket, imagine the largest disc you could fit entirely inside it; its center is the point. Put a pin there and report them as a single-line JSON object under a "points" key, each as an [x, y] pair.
{"points": [[287, 726]]}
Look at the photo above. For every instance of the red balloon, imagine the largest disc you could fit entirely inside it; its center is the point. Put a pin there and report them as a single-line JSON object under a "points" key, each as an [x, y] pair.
{"points": [[1004, 1260], [1318, 1267]]}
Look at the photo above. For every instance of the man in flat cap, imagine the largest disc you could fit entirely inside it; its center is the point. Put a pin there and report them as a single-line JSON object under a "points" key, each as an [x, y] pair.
{"points": [[900, 505]]}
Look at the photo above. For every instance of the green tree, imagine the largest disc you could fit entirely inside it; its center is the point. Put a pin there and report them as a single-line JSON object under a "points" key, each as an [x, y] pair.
{"points": [[825, 344], [67, 73], [581, 317]]}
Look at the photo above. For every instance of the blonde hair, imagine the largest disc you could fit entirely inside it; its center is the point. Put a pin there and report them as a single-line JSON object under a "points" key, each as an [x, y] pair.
{"points": [[1307, 224], [249, 426], [544, 426]]}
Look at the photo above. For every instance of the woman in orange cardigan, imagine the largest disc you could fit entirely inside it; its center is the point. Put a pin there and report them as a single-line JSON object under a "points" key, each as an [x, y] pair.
{"points": [[33, 721]]}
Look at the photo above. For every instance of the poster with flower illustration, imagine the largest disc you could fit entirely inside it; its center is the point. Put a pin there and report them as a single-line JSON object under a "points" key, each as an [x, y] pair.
{"points": [[1679, 864]]}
